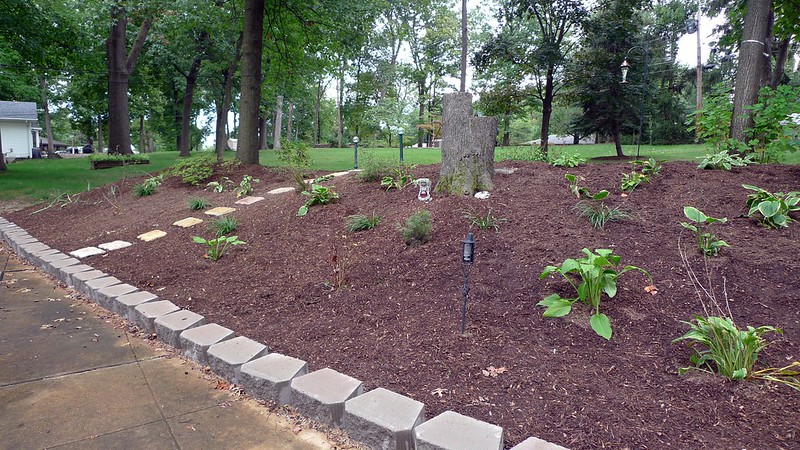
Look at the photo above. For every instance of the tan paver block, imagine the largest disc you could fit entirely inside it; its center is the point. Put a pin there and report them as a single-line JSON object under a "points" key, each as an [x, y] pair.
{"points": [[188, 222], [281, 190], [249, 200], [151, 235], [220, 211]]}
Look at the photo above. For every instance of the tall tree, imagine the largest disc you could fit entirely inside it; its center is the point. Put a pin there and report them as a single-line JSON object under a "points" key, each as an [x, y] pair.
{"points": [[252, 48], [121, 63], [463, 84]]}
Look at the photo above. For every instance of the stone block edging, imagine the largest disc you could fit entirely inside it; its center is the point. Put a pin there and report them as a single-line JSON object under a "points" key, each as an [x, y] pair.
{"points": [[325, 394]]}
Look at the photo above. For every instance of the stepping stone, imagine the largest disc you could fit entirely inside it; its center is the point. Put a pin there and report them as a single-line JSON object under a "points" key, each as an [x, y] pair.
{"points": [[115, 245], [321, 395], [170, 326], [452, 431], [249, 200], [125, 305], [281, 190], [151, 235], [147, 313], [188, 222], [383, 419], [195, 342], [533, 443], [86, 252], [226, 357], [269, 377], [220, 211]]}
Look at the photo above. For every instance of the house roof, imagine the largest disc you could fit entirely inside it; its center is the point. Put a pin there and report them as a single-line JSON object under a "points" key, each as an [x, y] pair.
{"points": [[18, 111]]}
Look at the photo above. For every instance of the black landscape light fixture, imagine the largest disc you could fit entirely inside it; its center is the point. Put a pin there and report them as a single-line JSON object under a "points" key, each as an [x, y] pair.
{"points": [[400, 135], [467, 258], [625, 67], [355, 152]]}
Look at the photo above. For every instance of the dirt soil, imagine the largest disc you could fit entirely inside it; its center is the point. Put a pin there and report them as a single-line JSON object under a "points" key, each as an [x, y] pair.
{"points": [[395, 321]]}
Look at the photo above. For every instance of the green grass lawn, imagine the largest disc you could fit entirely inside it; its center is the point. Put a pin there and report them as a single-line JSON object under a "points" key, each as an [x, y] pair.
{"points": [[32, 181]]}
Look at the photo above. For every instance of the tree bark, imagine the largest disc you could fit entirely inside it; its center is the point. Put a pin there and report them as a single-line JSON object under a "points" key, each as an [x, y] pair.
{"points": [[780, 63], [421, 119], [463, 85], [506, 129], [262, 132], [752, 64], [289, 120], [48, 126], [186, 111], [142, 135], [99, 148], [225, 107], [317, 106], [247, 147], [468, 144], [120, 65], [339, 98], [278, 125], [547, 111], [2, 154], [617, 139]]}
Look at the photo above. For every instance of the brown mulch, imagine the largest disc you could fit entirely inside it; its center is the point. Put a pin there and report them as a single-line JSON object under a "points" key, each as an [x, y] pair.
{"points": [[396, 322]]}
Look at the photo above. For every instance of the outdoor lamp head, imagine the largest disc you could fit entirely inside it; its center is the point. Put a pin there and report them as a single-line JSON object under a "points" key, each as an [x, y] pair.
{"points": [[468, 254], [400, 131], [625, 68], [355, 139]]}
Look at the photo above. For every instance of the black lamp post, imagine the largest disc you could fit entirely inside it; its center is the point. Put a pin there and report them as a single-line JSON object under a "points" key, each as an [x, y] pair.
{"points": [[355, 152], [625, 67], [467, 258], [400, 136]]}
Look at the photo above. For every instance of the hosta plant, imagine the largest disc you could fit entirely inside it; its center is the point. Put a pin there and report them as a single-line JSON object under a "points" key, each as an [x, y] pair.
{"points": [[319, 195], [721, 347], [578, 191], [219, 186], [631, 180], [650, 167], [597, 274], [401, 177], [724, 161], [246, 186], [148, 186], [705, 240], [774, 208], [567, 160], [218, 246]]}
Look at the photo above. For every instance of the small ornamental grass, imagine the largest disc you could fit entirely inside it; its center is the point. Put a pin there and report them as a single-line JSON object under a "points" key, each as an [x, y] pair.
{"points": [[197, 203], [362, 222], [598, 272], [224, 226], [417, 229], [484, 221], [598, 213]]}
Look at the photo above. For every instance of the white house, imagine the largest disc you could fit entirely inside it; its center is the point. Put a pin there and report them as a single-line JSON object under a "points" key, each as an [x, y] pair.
{"points": [[19, 129]]}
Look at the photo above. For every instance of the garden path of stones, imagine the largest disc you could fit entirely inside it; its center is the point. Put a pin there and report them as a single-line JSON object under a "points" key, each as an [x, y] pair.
{"points": [[381, 419]]}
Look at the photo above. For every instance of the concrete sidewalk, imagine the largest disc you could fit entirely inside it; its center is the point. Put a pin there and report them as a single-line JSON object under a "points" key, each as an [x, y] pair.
{"points": [[72, 377]]}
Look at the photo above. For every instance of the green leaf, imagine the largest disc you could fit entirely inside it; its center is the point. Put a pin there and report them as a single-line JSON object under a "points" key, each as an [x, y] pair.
{"points": [[547, 271], [302, 211], [199, 240], [610, 286], [600, 195], [556, 306], [689, 226], [739, 374], [569, 265], [601, 325], [694, 214], [769, 208]]}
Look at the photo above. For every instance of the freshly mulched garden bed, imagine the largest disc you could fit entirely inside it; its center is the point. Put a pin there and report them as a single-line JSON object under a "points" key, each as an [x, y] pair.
{"points": [[395, 324]]}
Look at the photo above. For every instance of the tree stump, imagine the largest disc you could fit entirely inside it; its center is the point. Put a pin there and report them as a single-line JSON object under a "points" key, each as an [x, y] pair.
{"points": [[467, 147]]}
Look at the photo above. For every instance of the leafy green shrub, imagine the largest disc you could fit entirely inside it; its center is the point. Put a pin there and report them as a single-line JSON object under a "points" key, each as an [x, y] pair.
{"points": [[218, 246], [706, 241], [774, 208], [374, 168], [718, 340], [294, 154], [194, 169], [224, 226], [417, 229], [567, 160], [485, 221], [319, 195], [774, 134], [598, 272], [724, 161], [96, 157], [532, 153], [197, 203], [400, 177], [246, 186], [362, 222], [148, 186], [651, 167], [595, 209], [631, 180]]}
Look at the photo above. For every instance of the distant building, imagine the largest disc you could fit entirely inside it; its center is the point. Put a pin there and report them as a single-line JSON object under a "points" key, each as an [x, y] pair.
{"points": [[19, 129]]}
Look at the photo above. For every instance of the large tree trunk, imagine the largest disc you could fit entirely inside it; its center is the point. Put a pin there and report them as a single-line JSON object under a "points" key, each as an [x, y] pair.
{"points": [[2, 154], [48, 126], [339, 98], [120, 65], [468, 144], [262, 132], [752, 64], [506, 129], [278, 125], [421, 117], [617, 139], [186, 110], [780, 63], [247, 147], [463, 85], [317, 105], [225, 106], [547, 111], [142, 135], [100, 145]]}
